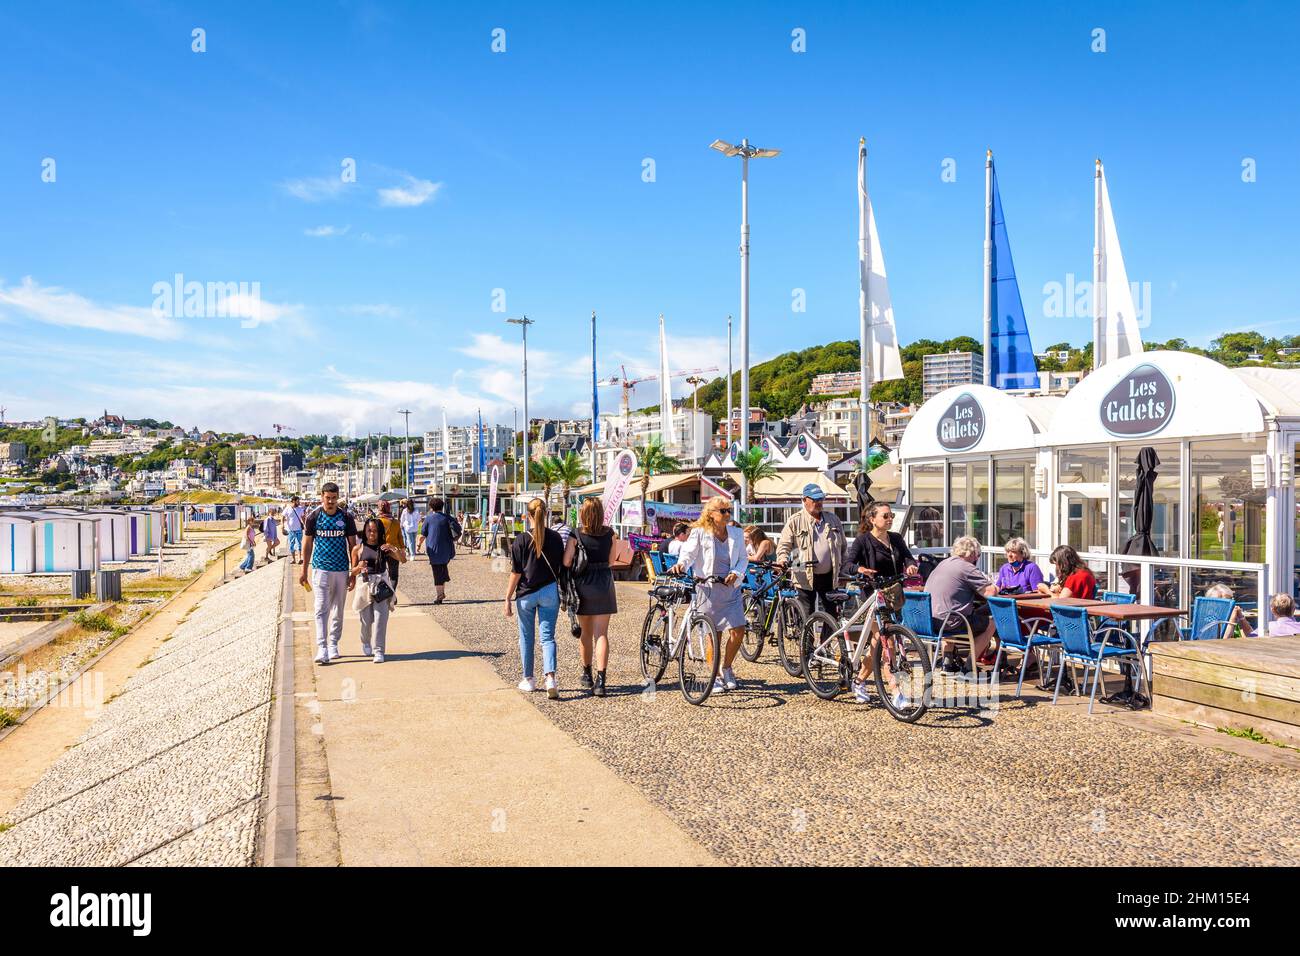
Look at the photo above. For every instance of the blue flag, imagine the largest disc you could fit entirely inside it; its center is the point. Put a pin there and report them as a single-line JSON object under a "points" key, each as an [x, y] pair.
{"points": [[1011, 358]]}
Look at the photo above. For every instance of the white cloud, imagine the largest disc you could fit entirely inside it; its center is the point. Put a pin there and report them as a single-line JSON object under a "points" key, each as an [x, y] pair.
{"points": [[314, 188], [326, 231], [54, 306], [416, 192]]}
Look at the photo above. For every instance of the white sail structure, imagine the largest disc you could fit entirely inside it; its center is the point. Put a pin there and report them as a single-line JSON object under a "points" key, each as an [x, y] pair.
{"points": [[665, 389], [1115, 331], [878, 357]]}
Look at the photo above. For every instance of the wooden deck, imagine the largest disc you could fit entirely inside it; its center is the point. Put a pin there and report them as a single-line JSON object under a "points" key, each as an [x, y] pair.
{"points": [[1251, 682]]}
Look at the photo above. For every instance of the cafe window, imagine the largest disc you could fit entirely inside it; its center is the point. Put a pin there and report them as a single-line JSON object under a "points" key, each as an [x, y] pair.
{"points": [[1083, 485], [969, 515], [1230, 520], [1166, 496], [1015, 509], [925, 496]]}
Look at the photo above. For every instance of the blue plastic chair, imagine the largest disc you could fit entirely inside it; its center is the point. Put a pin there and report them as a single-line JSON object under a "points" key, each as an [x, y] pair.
{"points": [[1017, 635], [661, 561], [1211, 618], [917, 618], [1116, 597], [1079, 645]]}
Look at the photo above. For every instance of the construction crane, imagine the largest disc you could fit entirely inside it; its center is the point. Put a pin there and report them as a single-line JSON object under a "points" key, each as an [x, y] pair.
{"points": [[3, 409], [283, 428], [631, 383]]}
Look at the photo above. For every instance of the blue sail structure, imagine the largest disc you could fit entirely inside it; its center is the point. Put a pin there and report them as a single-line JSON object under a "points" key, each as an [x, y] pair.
{"points": [[1011, 355]]}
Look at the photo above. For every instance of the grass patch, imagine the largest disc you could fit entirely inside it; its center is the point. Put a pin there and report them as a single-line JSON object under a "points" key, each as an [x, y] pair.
{"points": [[6, 826], [7, 717], [1250, 733], [98, 621], [27, 602]]}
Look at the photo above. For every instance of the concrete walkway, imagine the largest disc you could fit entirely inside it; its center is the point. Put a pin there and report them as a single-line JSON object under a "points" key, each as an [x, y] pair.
{"points": [[434, 760]]}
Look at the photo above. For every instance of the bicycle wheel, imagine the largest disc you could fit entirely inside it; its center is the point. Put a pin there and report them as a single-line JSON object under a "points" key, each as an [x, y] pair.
{"points": [[789, 633], [654, 643], [825, 658], [698, 660], [755, 634], [901, 654]]}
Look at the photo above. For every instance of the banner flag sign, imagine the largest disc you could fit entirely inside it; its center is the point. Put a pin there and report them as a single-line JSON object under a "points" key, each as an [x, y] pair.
{"points": [[492, 490], [620, 476]]}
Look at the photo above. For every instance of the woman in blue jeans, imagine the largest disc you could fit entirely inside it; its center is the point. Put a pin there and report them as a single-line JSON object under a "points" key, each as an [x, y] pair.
{"points": [[535, 558]]}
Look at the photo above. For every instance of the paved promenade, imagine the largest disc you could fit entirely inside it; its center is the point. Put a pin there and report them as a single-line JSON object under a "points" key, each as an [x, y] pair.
{"points": [[770, 774], [432, 759]]}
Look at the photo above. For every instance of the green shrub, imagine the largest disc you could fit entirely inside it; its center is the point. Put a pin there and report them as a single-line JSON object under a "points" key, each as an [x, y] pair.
{"points": [[94, 622]]}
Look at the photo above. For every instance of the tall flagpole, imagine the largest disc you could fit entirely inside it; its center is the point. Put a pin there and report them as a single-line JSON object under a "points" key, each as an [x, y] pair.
{"points": [[595, 408], [730, 411], [1098, 280], [864, 308], [988, 267]]}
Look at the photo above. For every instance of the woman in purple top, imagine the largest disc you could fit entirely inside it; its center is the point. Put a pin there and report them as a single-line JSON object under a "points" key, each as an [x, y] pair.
{"points": [[1019, 573]]}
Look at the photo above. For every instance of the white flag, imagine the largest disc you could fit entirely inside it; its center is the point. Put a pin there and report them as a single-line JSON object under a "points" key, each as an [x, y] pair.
{"points": [[873, 300], [1115, 320], [665, 390]]}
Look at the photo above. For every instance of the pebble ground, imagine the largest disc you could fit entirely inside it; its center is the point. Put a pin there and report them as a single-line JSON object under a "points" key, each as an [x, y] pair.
{"points": [[769, 774]]}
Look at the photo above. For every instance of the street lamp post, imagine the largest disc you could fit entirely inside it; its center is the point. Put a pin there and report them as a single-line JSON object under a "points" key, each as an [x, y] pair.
{"points": [[729, 408], [406, 455], [523, 324], [746, 152]]}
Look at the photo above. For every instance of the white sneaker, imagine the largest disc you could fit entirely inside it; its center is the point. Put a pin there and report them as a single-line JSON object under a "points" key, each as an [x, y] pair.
{"points": [[860, 692], [379, 657], [365, 650], [334, 652], [552, 691], [729, 679], [527, 685], [322, 657], [900, 702], [719, 685]]}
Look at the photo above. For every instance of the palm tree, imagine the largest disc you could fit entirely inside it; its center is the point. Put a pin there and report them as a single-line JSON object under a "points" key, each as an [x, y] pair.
{"points": [[570, 471], [653, 461], [543, 472], [753, 465]]}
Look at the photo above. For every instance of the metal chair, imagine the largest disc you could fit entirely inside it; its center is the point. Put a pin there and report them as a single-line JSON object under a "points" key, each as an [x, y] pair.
{"points": [[1017, 635], [1211, 618], [918, 618], [1079, 646]]}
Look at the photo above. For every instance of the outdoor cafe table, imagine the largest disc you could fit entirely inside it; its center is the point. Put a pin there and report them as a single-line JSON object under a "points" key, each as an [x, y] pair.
{"points": [[1045, 602], [1122, 614]]}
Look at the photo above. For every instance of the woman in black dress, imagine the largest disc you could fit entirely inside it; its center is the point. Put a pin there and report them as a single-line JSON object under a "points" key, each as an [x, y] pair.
{"points": [[596, 598]]}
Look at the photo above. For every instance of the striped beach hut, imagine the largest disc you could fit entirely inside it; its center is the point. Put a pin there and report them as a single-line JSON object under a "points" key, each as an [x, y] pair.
{"points": [[17, 542], [114, 531], [64, 542], [175, 525], [146, 529]]}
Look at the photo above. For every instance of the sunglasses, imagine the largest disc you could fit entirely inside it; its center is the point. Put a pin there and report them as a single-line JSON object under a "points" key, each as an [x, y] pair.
{"points": [[724, 511]]}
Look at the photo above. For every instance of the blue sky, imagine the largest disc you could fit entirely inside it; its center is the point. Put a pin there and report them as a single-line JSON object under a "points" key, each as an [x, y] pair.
{"points": [[522, 171]]}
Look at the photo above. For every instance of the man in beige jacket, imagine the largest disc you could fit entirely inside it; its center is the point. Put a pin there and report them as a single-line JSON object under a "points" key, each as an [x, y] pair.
{"points": [[817, 541]]}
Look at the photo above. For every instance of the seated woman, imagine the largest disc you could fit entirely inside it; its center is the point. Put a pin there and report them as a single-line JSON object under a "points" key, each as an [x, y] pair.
{"points": [[1284, 623], [1073, 578], [758, 545], [1240, 626], [1019, 575]]}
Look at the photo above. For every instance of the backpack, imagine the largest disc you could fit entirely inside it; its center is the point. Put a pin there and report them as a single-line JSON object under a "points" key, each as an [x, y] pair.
{"points": [[580, 560]]}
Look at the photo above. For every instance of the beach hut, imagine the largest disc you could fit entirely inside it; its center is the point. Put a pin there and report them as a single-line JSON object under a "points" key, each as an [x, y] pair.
{"points": [[1064, 470], [114, 532], [64, 541], [17, 542], [146, 529]]}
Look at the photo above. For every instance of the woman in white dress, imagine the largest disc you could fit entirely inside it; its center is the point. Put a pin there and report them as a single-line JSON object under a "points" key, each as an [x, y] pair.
{"points": [[716, 548]]}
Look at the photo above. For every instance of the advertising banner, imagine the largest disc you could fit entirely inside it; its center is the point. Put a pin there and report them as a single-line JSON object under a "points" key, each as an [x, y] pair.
{"points": [[659, 509], [492, 490], [620, 476]]}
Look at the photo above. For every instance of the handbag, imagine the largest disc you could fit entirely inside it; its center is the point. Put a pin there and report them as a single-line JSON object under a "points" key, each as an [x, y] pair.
{"points": [[380, 588], [620, 554]]}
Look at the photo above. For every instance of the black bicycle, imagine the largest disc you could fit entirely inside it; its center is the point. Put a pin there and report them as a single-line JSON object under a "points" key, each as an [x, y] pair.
{"points": [[773, 615]]}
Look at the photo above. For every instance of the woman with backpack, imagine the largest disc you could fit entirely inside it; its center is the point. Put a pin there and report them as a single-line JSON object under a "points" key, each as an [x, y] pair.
{"points": [[374, 590], [588, 554], [535, 562]]}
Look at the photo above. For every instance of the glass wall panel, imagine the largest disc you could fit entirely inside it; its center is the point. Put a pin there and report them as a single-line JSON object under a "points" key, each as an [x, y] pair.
{"points": [[1083, 486], [925, 496], [1295, 487], [1229, 511], [1166, 517], [1015, 509], [970, 500]]}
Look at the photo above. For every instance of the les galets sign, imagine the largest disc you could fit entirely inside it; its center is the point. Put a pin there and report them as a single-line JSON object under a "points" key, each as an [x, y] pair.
{"points": [[1140, 404], [962, 426]]}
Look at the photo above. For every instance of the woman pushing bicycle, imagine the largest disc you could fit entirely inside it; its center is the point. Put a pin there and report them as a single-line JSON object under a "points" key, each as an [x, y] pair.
{"points": [[717, 549]]}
